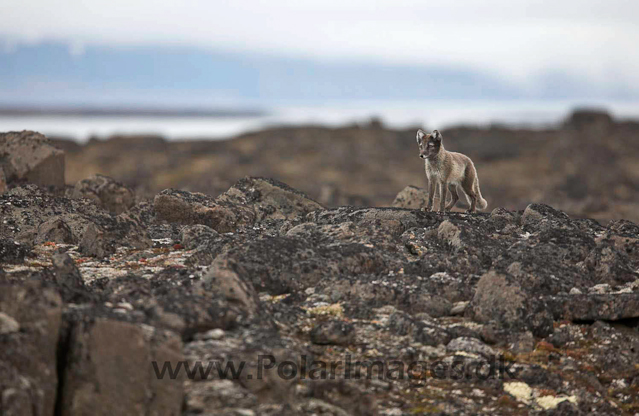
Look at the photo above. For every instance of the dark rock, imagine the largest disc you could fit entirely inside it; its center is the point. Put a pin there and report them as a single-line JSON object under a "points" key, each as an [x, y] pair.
{"points": [[106, 192], [29, 379], [54, 230], [29, 157], [333, 332]]}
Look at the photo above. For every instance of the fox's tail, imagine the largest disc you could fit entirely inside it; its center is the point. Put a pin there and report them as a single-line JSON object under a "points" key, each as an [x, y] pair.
{"points": [[481, 202]]}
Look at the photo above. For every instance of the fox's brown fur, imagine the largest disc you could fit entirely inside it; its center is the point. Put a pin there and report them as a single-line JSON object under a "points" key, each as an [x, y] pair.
{"points": [[446, 171]]}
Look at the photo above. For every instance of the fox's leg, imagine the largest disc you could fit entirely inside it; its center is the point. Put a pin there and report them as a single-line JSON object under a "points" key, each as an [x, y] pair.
{"points": [[455, 197], [443, 194], [431, 193], [467, 186]]}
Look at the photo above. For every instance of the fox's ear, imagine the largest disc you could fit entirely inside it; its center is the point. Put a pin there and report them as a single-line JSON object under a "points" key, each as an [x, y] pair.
{"points": [[420, 136], [436, 135]]}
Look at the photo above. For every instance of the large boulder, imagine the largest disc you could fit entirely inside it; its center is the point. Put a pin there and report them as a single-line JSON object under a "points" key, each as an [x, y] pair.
{"points": [[29, 157], [111, 370], [106, 192], [32, 316]]}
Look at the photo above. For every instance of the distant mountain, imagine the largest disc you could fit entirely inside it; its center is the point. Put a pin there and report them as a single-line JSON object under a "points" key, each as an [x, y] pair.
{"points": [[54, 73]]}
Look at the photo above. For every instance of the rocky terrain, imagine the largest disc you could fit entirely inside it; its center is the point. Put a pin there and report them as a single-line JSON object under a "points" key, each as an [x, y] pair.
{"points": [[587, 166], [113, 303]]}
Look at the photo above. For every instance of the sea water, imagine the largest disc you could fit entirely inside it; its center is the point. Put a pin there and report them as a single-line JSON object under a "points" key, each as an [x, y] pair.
{"points": [[438, 114]]}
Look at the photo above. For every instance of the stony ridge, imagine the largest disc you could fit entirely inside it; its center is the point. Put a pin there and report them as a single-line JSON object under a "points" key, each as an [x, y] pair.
{"points": [[556, 297]]}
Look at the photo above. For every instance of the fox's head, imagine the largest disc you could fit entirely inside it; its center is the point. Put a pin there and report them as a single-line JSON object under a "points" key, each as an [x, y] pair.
{"points": [[429, 144]]}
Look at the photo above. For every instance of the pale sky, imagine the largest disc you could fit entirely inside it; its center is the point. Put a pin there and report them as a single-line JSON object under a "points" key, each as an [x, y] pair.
{"points": [[593, 40]]}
